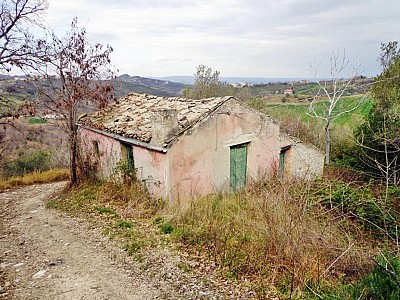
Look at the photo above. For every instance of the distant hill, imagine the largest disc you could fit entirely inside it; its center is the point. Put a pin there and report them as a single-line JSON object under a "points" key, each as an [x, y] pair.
{"points": [[253, 80], [20, 88], [158, 87]]}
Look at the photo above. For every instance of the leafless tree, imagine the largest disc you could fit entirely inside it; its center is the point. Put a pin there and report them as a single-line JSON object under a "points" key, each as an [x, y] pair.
{"points": [[17, 45], [334, 89], [76, 75], [18, 48]]}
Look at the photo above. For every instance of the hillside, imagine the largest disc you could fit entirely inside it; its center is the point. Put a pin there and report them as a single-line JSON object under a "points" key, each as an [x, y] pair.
{"points": [[126, 83], [21, 88]]}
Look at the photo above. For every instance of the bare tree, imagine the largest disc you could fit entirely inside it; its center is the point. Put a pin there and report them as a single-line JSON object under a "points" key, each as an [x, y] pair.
{"points": [[334, 89], [77, 75], [18, 49]]}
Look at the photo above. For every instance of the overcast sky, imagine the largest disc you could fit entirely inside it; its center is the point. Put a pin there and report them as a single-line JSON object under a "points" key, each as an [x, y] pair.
{"points": [[251, 38]]}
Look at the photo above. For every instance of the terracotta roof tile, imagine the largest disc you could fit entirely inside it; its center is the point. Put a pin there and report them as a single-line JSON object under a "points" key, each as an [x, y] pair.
{"points": [[131, 116]]}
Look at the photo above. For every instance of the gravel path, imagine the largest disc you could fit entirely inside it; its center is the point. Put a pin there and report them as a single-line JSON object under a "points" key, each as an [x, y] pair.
{"points": [[45, 254]]}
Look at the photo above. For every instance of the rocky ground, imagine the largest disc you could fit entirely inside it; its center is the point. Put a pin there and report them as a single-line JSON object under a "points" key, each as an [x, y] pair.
{"points": [[47, 254]]}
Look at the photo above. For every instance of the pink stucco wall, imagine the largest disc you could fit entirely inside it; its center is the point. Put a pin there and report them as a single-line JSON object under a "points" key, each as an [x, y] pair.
{"points": [[151, 169], [109, 152], [303, 161], [199, 161], [150, 165]]}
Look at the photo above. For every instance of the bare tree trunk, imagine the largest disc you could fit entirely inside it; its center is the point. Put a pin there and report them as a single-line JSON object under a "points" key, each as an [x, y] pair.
{"points": [[73, 150], [327, 143], [73, 162]]}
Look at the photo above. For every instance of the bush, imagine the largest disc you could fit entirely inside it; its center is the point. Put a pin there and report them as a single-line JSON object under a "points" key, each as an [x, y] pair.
{"points": [[33, 162], [167, 228], [379, 283], [364, 203]]}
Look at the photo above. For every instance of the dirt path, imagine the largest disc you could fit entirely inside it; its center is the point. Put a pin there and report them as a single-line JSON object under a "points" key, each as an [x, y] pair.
{"points": [[46, 254], [50, 256]]}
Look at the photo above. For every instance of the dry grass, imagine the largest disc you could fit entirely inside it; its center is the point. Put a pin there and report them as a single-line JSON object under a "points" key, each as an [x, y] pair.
{"points": [[125, 200], [273, 236], [35, 177]]}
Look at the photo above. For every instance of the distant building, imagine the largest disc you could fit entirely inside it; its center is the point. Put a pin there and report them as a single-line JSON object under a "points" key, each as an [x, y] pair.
{"points": [[242, 84], [289, 91]]}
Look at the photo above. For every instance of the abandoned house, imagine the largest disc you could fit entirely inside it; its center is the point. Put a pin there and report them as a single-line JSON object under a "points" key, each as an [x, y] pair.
{"points": [[182, 148]]}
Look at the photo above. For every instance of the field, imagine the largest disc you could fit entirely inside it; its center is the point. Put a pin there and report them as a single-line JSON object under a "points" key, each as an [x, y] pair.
{"points": [[295, 117], [301, 109]]}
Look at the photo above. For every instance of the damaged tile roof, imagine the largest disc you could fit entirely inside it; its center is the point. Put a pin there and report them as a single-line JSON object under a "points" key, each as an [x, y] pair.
{"points": [[131, 116]]}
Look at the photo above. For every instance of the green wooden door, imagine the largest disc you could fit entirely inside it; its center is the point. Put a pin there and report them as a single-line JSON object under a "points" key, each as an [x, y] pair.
{"points": [[238, 166], [282, 161], [130, 163]]}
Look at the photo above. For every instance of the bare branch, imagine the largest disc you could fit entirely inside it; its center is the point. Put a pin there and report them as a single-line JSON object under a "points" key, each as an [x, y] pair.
{"points": [[334, 90], [83, 74], [390, 272]]}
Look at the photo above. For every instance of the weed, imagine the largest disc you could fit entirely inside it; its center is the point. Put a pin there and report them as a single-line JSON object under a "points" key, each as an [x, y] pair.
{"points": [[231, 275], [272, 234], [158, 220], [106, 231], [124, 224], [105, 210], [184, 266], [133, 247], [167, 228], [140, 257]]}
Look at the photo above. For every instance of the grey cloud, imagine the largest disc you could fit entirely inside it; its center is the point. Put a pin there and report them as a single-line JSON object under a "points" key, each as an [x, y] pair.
{"points": [[252, 37]]}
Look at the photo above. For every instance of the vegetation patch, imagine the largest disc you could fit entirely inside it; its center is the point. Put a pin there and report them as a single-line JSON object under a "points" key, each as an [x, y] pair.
{"points": [[133, 247], [274, 237], [27, 163], [105, 210], [383, 280], [295, 238], [34, 178], [369, 204], [115, 207], [166, 228], [124, 224], [36, 120]]}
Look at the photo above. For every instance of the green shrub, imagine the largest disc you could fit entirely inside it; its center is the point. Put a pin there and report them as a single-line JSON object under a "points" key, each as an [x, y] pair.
{"points": [[379, 284], [36, 120], [365, 203], [167, 228], [124, 224], [28, 163], [105, 210]]}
